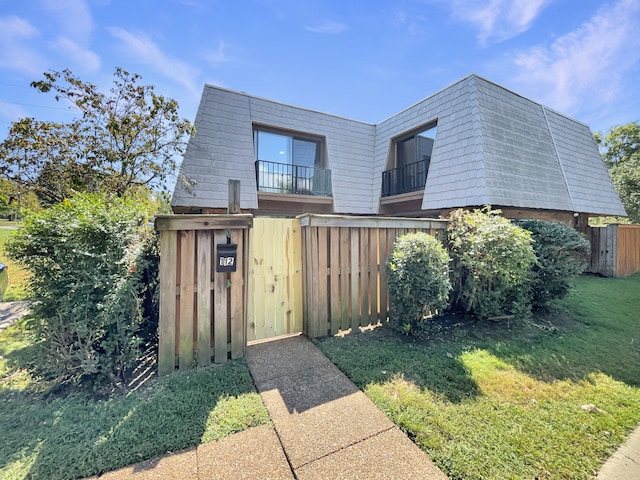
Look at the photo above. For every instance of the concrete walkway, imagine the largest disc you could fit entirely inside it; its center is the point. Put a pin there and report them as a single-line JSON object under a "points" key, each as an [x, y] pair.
{"points": [[324, 428], [327, 427], [625, 463]]}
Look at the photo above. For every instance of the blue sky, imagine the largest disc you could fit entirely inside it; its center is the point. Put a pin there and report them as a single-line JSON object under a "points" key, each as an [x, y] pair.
{"points": [[365, 60]]}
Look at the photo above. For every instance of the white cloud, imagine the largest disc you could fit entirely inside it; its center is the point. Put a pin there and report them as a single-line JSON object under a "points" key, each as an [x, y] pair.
{"points": [[87, 59], [217, 56], [146, 51], [497, 20], [11, 27], [327, 27], [16, 52], [412, 22], [73, 16], [586, 66]]}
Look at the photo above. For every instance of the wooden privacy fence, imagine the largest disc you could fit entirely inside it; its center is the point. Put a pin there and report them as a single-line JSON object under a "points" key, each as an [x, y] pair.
{"points": [[202, 311], [344, 277], [615, 250]]}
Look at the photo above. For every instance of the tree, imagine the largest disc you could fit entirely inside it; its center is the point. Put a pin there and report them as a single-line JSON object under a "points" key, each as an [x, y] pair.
{"points": [[13, 202], [124, 140], [620, 148]]}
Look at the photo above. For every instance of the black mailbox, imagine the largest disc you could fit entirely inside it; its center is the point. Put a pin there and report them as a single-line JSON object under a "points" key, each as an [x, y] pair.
{"points": [[226, 257]]}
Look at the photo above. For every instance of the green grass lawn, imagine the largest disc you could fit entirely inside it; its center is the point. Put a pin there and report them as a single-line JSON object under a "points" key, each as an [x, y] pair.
{"points": [[53, 436], [505, 401], [18, 277]]}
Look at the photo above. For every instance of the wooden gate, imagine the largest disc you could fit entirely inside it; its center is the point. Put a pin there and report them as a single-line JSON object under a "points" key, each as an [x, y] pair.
{"points": [[275, 278]]}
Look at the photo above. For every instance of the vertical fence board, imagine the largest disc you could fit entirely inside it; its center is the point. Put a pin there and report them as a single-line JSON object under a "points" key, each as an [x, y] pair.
{"points": [[251, 300], [237, 304], [296, 274], [374, 271], [187, 296], [364, 277], [167, 326], [203, 247], [277, 275], [220, 310], [345, 255], [611, 251], [305, 280], [270, 325], [334, 279], [355, 278], [323, 296], [384, 284], [256, 316], [315, 282]]}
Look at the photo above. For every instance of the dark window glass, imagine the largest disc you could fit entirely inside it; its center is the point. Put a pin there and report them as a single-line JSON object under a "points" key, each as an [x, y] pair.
{"points": [[416, 148]]}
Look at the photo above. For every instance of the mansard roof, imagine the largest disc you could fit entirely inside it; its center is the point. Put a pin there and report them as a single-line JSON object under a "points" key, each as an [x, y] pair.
{"points": [[493, 147]]}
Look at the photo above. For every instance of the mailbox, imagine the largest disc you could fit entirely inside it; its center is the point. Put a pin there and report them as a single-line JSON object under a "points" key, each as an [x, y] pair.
{"points": [[226, 257]]}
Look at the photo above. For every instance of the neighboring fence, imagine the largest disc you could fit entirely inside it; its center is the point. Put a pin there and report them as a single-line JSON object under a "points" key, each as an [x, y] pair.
{"points": [[202, 312], [615, 250], [275, 278], [344, 277]]}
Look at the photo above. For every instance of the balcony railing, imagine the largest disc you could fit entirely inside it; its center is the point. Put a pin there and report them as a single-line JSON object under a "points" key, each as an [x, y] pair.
{"points": [[292, 179], [409, 178]]}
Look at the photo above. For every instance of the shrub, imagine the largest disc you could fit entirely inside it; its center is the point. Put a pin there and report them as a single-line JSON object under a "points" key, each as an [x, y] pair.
{"points": [[561, 253], [419, 281], [492, 260], [88, 257]]}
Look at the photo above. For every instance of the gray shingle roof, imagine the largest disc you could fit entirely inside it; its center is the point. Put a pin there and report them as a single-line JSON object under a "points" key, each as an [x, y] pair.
{"points": [[493, 146]]}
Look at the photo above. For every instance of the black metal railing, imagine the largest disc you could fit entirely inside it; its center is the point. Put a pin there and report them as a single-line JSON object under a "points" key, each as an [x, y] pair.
{"points": [[292, 179], [409, 178]]}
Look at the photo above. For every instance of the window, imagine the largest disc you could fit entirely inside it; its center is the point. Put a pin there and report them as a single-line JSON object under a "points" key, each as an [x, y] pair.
{"points": [[409, 161], [415, 148], [286, 149], [290, 163]]}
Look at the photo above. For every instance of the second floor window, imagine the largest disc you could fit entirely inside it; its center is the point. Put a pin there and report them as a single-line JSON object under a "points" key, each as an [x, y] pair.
{"points": [[287, 149], [290, 163], [409, 162]]}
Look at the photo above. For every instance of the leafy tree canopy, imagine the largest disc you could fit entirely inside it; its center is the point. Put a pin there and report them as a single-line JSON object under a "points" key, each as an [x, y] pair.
{"points": [[620, 148], [125, 139]]}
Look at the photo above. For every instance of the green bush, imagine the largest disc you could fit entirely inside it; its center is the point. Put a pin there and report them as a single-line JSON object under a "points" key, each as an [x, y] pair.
{"points": [[419, 281], [492, 260], [91, 263], [562, 255]]}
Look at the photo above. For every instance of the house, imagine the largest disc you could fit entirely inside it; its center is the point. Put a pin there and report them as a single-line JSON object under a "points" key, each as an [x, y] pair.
{"points": [[471, 144]]}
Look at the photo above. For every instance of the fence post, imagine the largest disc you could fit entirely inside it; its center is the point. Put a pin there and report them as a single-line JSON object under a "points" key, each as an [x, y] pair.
{"points": [[234, 197]]}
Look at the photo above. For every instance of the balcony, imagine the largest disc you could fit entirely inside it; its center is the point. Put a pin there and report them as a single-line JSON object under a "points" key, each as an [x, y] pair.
{"points": [[405, 179], [285, 178]]}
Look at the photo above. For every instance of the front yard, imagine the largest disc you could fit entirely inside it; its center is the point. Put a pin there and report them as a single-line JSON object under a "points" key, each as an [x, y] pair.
{"points": [[50, 435], [552, 399]]}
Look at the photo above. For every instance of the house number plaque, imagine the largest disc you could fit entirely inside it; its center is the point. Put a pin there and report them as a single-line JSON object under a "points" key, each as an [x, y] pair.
{"points": [[226, 257]]}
